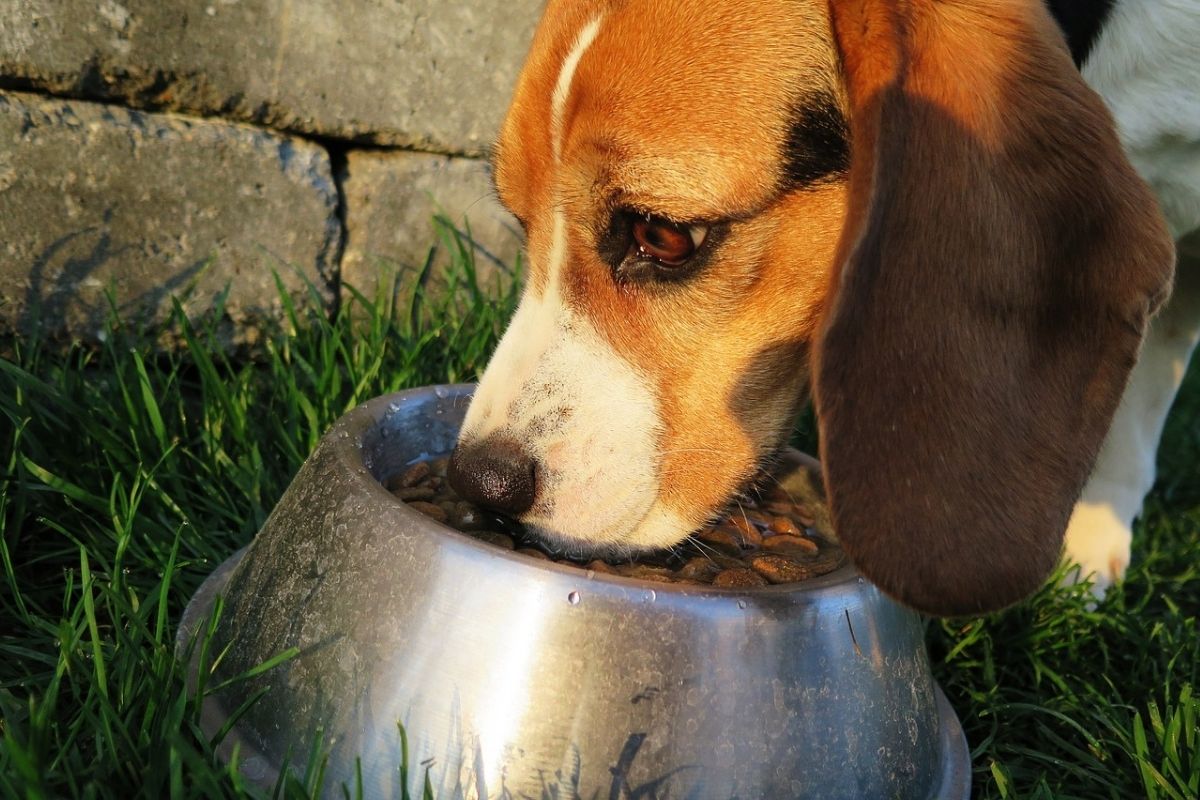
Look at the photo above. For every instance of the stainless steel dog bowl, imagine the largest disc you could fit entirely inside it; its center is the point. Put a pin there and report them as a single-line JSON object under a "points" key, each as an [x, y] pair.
{"points": [[520, 678]]}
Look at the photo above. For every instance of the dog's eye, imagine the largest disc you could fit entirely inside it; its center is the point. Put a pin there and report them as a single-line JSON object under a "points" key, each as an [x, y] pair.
{"points": [[668, 243]]}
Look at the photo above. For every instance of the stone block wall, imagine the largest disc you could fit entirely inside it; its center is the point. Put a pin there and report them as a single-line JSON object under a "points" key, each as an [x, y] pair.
{"points": [[151, 148]]}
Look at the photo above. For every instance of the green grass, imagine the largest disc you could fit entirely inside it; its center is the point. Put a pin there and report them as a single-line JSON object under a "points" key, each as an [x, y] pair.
{"points": [[127, 476], [1063, 701]]}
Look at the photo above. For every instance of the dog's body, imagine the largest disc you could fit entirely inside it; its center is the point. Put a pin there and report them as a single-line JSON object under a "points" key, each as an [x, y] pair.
{"points": [[725, 202], [1145, 63]]}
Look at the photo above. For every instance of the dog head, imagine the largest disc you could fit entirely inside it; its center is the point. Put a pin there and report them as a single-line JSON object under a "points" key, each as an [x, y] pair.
{"points": [[918, 209]]}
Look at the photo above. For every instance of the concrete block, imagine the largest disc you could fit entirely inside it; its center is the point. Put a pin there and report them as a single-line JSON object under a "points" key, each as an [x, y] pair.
{"points": [[391, 199], [97, 197], [428, 74]]}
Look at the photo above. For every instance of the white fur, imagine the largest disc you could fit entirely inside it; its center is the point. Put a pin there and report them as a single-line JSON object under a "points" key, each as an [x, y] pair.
{"points": [[585, 414], [1146, 65], [562, 87]]}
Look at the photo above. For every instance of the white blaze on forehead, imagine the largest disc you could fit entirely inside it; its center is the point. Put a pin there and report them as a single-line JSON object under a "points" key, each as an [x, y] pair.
{"points": [[562, 87], [580, 409], [537, 326]]}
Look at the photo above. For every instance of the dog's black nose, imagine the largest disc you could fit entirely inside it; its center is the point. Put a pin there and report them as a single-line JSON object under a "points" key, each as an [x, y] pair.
{"points": [[496, 473]]}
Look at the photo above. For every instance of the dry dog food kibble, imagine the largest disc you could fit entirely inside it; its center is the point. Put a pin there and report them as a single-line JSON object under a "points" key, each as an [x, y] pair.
{"points": [[764, 541]]}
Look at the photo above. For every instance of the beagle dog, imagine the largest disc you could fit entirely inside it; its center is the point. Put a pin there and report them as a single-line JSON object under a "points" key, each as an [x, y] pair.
{"points": [[916, 210]]}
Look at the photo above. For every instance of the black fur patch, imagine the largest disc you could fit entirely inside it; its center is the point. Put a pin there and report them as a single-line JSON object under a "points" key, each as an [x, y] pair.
{"points": [[818, 143], [1081, 22]]}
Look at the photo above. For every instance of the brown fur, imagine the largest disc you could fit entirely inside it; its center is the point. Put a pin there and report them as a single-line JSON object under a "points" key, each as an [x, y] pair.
{"points": [[976, 291], [696, 140], [1000, 262]]}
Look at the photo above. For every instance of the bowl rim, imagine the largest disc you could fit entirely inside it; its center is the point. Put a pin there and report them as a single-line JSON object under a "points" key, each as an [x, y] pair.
{"points": [[359, 421], [343, 445]]}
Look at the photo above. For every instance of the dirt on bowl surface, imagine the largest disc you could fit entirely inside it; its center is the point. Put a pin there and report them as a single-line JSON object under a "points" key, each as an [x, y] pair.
{"points": [[768, 537]]}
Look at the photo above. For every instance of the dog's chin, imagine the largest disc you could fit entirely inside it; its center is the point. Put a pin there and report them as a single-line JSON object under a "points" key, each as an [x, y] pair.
{"points": [[660, 529]]}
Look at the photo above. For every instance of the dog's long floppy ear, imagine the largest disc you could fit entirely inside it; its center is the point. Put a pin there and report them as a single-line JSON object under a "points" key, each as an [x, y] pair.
{"points": [[998, 268]]}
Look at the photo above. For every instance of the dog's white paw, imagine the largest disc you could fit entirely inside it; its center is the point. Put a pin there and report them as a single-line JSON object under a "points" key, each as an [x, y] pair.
{"points": [[1098, 542]]}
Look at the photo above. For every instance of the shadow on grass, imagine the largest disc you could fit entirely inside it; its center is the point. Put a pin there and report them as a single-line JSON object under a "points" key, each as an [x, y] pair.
{"points": [[128, 472]]}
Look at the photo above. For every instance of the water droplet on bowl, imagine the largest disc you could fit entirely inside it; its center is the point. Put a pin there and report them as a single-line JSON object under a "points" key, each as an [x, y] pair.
{"points": [[442, 392], [573, 598], [741, 603], [652, 595]]}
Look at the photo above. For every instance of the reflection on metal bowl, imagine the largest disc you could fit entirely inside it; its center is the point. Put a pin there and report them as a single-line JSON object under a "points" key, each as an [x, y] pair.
{"points": [[515, 677]]}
